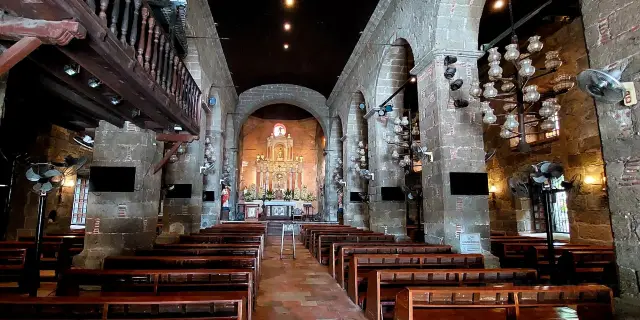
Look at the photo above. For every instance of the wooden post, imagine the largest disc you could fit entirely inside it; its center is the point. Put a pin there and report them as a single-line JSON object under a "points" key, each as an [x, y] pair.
{"points": [[17, 52]]}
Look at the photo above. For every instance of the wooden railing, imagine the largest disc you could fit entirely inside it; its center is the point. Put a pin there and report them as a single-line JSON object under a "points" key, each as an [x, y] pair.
{"points": [[133, 22]]}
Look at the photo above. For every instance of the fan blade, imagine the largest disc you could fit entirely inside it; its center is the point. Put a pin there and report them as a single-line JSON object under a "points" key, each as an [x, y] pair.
{"points": [[32, 176], [47, 186], [52, 173], [37, 187]]}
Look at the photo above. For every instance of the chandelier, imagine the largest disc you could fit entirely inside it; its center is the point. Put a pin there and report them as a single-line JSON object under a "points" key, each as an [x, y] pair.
{"points": [[524, 105], [409, 152], [361, 163]]}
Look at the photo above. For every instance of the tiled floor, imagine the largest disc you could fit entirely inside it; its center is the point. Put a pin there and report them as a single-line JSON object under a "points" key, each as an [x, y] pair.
{"points": [[299, 289]]}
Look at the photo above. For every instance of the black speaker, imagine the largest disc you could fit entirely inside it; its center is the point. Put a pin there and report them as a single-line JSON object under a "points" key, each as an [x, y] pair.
{"points": [[392, 194], [355, 197], [208, 196], [179, 191]]}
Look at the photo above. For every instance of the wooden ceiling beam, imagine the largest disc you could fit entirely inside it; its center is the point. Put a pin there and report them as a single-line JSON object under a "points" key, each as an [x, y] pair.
{"points": [[167, 155], [49, 32], [176, 137], [20, 50]]}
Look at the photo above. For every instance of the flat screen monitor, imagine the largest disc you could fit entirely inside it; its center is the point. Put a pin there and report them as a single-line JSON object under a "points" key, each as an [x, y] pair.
{"points": [[392, 194], [208, 196], [179, 191], [469, 183], [112, 179], [355, 197]]}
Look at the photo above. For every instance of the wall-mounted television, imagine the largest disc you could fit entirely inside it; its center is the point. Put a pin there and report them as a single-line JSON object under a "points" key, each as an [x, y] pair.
{"points": [[355, 197], [208, 196], [179, 191], [392, 194], [112, 179], [469, 183]]}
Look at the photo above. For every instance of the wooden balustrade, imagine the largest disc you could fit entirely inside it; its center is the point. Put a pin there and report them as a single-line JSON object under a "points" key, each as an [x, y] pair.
{"points": [[134, 24]]}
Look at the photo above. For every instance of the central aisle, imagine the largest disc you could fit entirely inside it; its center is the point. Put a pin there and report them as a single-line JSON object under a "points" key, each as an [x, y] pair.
{"points": [[299, 289]]}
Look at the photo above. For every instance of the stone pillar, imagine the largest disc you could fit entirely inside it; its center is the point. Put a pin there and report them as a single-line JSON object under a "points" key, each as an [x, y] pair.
{"points": [[385, 216], [334, 152], [354, 212], [611, 34], [122, 222], [211, 209], [455, 138]]}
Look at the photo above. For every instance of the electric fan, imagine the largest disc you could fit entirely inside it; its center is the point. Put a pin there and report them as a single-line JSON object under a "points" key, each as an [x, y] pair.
{"points": [[602, 86]]}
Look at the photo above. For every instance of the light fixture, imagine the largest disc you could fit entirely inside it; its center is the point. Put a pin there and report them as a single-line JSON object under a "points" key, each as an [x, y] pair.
{"points": [[289, 3], [69, 182], [590, 180], [85, 141], [493, 189], [115, 100], [72, 69], [499, 4], [521, 101], [177, 127], [413, 79], [94, 83], [286, 46], [287, 26]]}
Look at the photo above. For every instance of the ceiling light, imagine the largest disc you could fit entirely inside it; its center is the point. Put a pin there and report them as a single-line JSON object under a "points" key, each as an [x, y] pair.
{"points": [[286, 46], [289, 3], [287, 26], [72, 69], [413, 79], [499, 4], [177, 127], [94, 83], [115, 100]]}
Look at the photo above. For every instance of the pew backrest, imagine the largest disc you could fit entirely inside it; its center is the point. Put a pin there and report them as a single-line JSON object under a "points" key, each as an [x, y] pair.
{"points": [[324, 241]]}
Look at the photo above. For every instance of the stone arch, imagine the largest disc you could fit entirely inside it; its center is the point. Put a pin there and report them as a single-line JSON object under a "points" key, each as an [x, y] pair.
{"points": [[302, 97]]}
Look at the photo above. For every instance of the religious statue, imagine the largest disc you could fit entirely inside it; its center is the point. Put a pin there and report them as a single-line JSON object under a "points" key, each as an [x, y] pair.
{"points": [[226, 194], [279, 195], [280, 153]]}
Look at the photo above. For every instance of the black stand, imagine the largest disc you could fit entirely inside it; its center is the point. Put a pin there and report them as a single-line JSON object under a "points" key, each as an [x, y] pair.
{"points": [[35, 266], [546, 205]]}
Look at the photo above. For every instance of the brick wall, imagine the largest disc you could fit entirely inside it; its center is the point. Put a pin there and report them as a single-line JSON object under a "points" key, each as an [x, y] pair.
{"points": [[577, 148]]}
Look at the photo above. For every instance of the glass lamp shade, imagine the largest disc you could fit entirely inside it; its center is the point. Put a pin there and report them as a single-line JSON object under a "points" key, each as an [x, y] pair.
{"points": [[495, 69], [526, 68], [505, 133], [361, 152], [405, 121], [489, 117], [485, 107], [563, 82], [396, 139], [550, 102], [546, 111], [395, 154], [531, 93], [475, 90], [489, 90], [507, 86], [552, 60], [173, 158], [397, 129], [535, 45], [512, 53], [494, 55], [397, 121], [360, 144], [415, 131], [511, 122], [548, 125], [508, 107], [363, 159]]}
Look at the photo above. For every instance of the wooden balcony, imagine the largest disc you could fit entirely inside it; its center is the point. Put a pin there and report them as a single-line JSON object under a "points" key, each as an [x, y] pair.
{"points": [[140, 77]]}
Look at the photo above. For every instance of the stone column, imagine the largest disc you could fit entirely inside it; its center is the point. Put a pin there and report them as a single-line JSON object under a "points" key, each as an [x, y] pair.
{"points": [[385, 216], [211, 209], [122, 222], [455, 138], [334, 151], [611, 34]]}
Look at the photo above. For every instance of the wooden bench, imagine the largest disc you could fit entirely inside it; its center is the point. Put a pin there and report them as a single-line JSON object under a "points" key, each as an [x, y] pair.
{"points": [[537, 257], [591, 266], [325, 241], [311, 234], [224, 238], [513, 253], [13, 266], [383, 285], [252, 252], [496, 243], [361, 264], [347, 251], [54, 256], [222, 306], [498, 233], [305, 231], [157, 282], [592, 301], [184, 263]]}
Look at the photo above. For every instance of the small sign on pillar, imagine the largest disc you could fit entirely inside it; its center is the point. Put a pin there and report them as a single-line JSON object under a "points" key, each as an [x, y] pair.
{"points": [[96, 226], [470, 243]]}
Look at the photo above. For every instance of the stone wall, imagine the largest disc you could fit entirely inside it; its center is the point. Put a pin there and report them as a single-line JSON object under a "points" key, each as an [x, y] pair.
{"points": [[254, 135], [53, 146], [612, 33], [577, 148]]}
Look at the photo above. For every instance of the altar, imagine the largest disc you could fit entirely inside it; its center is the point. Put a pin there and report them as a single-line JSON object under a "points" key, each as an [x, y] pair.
{"points": [[280, 209]]}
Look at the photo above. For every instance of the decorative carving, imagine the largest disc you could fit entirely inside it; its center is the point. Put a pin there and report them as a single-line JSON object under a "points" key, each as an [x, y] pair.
{"points": [[49, 32], [143, 32], [134, 24], [147, 54], [125, 22]]}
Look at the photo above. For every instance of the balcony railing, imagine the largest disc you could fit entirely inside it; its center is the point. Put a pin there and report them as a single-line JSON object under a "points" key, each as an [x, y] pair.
{"points": [[133, 23]]}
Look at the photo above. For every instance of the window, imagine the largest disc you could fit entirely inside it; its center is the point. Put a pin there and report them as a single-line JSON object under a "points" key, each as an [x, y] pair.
{"points": [[279, 130], [559, 206], [80, 195]]}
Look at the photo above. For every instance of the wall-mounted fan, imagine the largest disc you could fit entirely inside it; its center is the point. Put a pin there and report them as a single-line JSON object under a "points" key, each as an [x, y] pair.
{"points": [[518, 187], [45, 176], [603, 86], [543, 171]]}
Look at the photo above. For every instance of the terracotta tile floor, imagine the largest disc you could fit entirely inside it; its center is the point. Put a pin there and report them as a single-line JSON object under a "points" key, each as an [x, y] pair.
{"points": [[299, 289]]}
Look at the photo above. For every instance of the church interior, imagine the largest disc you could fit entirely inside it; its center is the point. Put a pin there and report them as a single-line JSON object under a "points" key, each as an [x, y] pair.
{"points": [[299, 159]]}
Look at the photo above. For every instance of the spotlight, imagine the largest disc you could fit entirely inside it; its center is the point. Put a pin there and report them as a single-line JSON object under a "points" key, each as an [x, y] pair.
{"points": [[456, 85], [362, 106], [287, 26], [413, 79], [94, 83], [498, 4], [449, 60], [177, 127], [115, 100], [286, 46], [289, 3], [382, 112], [388, 108], [450, 73], [72, 69], [460, 103]]}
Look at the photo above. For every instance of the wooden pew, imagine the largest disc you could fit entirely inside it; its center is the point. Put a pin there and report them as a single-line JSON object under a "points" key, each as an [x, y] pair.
{"points": [[361, 264], [314, 234], [184, 263], [158, 282], [537, 257], [591, 266], [497, 243], [383, 285], [305, 231], [54, 256], [222, 305], [224, 238], [207, 252], [325, 241], [347, 251], [207, 245], [592, 301], [13, 266], [498, 233], [309, 233], [513, 253]]}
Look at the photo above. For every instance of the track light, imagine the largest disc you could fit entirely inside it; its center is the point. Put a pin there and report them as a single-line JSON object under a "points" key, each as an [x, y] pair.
{"points": [[449, 60], [456, 85], [450, 72], [362, 106], [177, 127], [459, 103], [115, 100], [72, 69], [413, 79], [94, 83]]}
